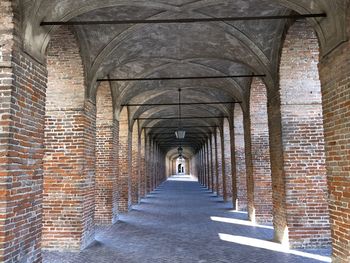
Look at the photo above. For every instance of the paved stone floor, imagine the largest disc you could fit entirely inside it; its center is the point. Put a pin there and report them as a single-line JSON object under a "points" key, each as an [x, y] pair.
{"points": [[183, 222]]}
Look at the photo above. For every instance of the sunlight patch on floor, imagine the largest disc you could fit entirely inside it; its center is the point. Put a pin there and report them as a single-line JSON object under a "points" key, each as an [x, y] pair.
{"points": [[238, 222], [183, 178], [258, 243]]}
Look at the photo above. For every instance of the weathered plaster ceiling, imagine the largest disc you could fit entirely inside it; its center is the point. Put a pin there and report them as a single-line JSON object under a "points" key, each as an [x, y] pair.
{"points": [[159, 50]]}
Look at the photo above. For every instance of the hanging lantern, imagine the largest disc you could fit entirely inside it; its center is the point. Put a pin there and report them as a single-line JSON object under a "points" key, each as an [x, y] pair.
{"points": [[180, 134], [180, 151]]}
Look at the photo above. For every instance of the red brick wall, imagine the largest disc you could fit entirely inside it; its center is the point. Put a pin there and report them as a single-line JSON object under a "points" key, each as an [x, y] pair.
{"points": [[124, 182], [303, 140], [228, 158], [69, 163], [22, 109], [240, 159], [335, 80], [105, 174], [259, 185]]}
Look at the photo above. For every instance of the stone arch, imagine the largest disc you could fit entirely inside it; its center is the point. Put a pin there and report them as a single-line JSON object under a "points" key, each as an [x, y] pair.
{"points": [[259, 186], [68, 205], [241, 201], [306, 221]]}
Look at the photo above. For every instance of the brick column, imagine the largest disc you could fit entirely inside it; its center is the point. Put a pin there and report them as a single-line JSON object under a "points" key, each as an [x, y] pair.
{"points": [[259, 186], [148, 164], [234, 180], [219, 157], [241, 203], [335, 82], [115, 170], [105, 173], [212, 163], [207, 164], [151, 161], [296, 122], [228, 158], [70, 157], [142, 163], [135, 168], [124, 164], [202, 167], [223, 164], [22, 109], [216, 163]]}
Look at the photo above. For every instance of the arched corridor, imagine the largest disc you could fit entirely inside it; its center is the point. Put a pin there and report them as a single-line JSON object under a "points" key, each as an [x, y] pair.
{"points": [[174, 131], [181, 221]]}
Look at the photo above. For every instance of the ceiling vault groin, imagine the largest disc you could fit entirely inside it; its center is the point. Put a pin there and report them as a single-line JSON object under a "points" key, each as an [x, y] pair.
{"points": [[210, 49]]}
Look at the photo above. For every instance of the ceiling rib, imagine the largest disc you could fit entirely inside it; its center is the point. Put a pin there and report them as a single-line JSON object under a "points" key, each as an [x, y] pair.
{"points": [[180, 20]]}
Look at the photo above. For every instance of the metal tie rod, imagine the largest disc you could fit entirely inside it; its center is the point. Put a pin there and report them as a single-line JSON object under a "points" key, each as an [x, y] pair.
{"points": [[182, 104], [182, 78], [175, 127], [180, 20], [184, 118]]}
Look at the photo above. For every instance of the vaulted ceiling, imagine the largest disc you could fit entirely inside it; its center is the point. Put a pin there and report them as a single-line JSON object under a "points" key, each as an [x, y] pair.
{"points": [[174, 50]]}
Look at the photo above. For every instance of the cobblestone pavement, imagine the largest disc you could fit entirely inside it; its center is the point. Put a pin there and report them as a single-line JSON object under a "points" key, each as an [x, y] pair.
{"points": [[183, 222]]}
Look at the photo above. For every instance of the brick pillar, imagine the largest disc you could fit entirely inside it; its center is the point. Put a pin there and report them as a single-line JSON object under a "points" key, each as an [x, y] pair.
{"points": [[297, 116], [151, 161], [115, 169], [211, 167], [148, 164], [22, 109], [142, 162], [105, 174], [233, 165], [241, 203], [219, 157], [70, 141], [207, 167], [135, 179], [212, 162], [202, 166], [215, 161], [223, 164], [259, 186], [124, 163], [335, 82], [228, 158]]}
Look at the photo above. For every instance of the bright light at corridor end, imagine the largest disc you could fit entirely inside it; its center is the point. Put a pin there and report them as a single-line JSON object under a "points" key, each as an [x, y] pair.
{"points": [[258, 243]]}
